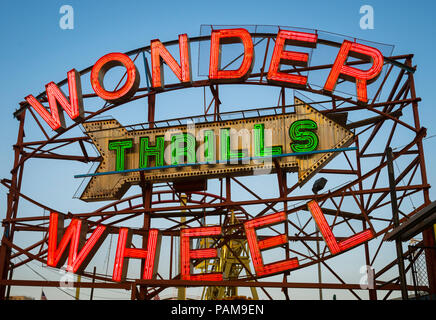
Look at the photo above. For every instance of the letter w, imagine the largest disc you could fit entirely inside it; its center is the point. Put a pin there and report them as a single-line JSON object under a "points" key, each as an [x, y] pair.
{"points": [[57, 101], [73, 237]]}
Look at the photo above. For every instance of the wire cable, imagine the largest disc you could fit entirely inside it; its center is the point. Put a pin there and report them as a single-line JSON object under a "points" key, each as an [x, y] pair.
{"points": [[40, 275]]}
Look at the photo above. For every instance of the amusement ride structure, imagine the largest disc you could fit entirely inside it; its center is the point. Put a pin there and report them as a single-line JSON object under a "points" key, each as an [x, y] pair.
{"points": [[241, 217]]}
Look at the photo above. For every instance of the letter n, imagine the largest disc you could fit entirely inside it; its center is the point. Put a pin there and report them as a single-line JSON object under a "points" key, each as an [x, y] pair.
{"points": [[159, 54]]}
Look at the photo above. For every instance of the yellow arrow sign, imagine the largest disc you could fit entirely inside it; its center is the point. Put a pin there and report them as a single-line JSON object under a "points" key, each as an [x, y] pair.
{"points": [[302, 141]]}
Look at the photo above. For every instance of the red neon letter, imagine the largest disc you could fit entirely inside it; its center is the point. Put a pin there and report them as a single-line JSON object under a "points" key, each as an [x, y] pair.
{"points": [[281, 56], [57, 101], [103, 65], [124, 252], [74, 237], [270, 242], [181, 71], [186, 254], [361, 77], [230, 36], [329, 237]]}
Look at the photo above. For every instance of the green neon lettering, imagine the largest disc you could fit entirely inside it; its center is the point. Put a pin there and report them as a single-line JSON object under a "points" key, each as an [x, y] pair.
{"points": [[209, 146], [226, 152], [146, 151], [305, 140], [259, 143], [120, 147], [182, 145]]}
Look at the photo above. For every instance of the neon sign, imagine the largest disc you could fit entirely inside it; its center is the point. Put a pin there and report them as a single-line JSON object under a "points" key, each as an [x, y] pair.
{"points": [[81, 251], [327, 234], [302, 141], [74, 105]]}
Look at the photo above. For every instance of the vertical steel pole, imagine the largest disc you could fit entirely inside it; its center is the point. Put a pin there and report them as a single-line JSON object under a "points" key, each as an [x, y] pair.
{"points": [[396, 220], [147, 193], [319, 263], [91, 297], [428, 235], [151, 109], [147, 190], [171, 258], [371, 287], [181, 291], [283, 187], [79, 279], [217, 105], [8, 291], [12, 207], [412, 265]]}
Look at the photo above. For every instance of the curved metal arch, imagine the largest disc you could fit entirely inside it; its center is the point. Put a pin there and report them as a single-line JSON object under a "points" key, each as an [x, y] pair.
{"points": [[137, 51], [385, 115]]}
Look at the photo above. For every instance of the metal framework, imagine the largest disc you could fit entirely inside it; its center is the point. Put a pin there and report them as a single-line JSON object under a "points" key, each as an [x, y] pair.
{"points": [[363, 201]]}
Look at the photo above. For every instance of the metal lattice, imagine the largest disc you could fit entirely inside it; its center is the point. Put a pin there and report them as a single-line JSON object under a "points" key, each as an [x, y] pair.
{"points": [[358, 201]]}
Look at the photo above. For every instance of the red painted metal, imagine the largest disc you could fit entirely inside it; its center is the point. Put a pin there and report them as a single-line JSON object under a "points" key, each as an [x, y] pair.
{"points": [[366, 190]]}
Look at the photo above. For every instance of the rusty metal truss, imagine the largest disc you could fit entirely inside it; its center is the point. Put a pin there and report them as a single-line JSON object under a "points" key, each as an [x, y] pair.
{"points": [[361, 201]]}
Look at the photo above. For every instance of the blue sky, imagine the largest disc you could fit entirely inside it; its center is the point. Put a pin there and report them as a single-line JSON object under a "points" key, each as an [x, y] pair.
{"points": [[35, 50]]}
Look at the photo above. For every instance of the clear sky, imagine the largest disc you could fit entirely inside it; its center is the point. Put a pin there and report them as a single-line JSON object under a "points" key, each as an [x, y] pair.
{"points": [[35, 50]]}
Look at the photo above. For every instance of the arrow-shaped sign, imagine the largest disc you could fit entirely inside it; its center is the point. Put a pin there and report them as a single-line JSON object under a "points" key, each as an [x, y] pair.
{"points": [[302, 141]]}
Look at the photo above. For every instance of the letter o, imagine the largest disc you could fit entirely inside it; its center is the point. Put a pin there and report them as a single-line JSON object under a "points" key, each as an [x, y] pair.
{"points": [[103, 65]]}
